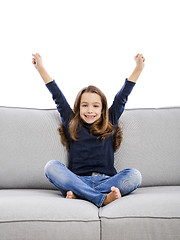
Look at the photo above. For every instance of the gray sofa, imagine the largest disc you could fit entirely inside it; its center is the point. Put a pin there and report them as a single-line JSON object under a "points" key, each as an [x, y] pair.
{"points": [[31, 208]]}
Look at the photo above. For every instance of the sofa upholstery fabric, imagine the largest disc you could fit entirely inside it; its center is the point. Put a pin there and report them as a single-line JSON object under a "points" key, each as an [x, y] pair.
{"points": [[31, 208], [23, 211]]}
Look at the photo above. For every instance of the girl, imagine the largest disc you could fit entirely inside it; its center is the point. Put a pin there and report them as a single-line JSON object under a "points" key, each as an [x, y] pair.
{"points": [[91, 134]]}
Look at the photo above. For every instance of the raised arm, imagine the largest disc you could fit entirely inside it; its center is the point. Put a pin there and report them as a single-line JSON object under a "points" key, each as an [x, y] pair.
{"points": [[121, 97], [119, 102], [138, 69], [61, 103], [37, 62]]}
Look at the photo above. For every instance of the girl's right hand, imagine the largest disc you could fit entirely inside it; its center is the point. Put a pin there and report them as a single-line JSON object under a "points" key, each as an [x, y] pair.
{"points": [[37, 61], [139, 58]]}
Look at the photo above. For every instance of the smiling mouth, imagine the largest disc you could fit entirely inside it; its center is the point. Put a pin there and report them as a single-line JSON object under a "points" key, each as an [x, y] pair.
{"points": [[90, 116]]}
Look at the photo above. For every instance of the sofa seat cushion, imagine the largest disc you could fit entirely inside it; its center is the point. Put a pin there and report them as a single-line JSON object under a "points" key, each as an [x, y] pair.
{"points": [[27, 212], [148, 213]]}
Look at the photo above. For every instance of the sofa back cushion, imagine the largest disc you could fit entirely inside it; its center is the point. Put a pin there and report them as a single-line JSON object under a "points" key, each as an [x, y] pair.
{"points": [[29, 139], [151, 143]]}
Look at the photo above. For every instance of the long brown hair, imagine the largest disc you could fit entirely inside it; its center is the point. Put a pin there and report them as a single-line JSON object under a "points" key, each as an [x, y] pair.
{"points": [[102, 128]]}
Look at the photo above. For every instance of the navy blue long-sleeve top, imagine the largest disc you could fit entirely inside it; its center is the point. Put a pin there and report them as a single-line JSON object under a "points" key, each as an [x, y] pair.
{"points": [[89, 154]]}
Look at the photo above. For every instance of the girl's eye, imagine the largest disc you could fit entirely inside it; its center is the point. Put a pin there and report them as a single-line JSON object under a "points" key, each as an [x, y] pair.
{"points": [[84, 105], [96, 106]]}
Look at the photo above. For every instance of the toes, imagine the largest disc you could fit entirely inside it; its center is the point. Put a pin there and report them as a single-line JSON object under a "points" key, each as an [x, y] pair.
{"points": [[69, 194], [116, 191], [113, 189]]}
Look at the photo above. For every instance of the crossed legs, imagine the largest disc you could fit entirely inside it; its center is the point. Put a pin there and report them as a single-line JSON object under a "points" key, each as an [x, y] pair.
{"points": [[110, 197], [102, 193]]}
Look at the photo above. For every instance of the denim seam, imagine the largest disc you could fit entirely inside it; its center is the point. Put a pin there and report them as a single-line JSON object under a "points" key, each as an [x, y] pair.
{"points": [[102, 200]]}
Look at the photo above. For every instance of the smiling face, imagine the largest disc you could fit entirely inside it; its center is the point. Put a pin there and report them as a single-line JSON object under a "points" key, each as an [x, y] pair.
{"points": [[90, 107]]}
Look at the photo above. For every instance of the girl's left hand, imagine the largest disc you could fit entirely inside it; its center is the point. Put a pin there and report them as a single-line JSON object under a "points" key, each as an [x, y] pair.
{"points": [[139, 58], [37, 61]]}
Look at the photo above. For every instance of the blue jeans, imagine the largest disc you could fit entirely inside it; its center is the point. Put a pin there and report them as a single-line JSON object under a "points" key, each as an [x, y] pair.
{"points": [[93, 188]]}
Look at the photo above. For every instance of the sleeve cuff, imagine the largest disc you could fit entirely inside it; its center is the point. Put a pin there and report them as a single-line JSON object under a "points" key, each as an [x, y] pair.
{"points": [[127, 80], [49, 83]]}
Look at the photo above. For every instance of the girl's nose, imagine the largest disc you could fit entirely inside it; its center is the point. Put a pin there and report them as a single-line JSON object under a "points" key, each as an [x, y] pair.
{"points": [[89, 110]]}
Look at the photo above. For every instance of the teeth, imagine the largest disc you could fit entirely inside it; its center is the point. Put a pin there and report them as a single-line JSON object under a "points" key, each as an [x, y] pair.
{"points": [[88, 116]]}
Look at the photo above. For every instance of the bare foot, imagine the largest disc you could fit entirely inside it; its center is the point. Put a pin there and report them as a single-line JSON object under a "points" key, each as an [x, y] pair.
{"points": [[71, 195], [113, 195]]}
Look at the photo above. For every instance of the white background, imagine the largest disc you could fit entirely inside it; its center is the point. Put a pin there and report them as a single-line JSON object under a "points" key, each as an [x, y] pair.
{"points": [[89, 42]]}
